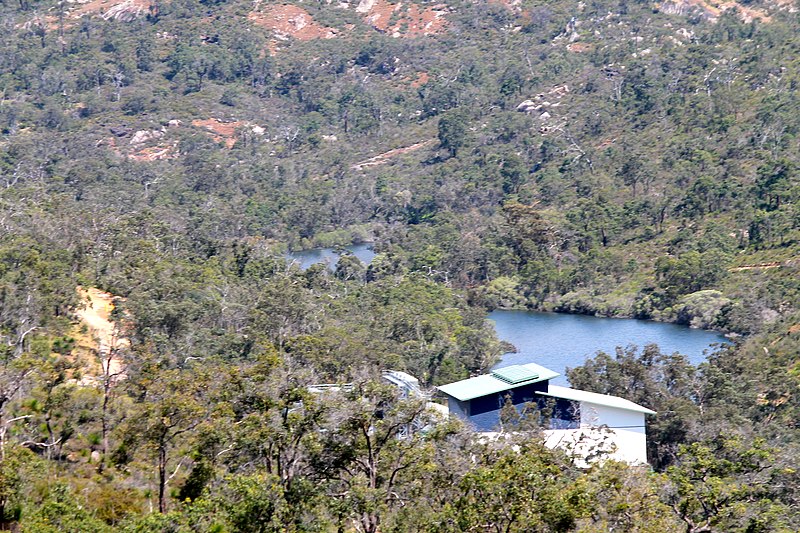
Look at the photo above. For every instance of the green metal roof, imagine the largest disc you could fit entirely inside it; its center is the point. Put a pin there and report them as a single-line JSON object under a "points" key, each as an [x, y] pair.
{"points": [[476, 387]]}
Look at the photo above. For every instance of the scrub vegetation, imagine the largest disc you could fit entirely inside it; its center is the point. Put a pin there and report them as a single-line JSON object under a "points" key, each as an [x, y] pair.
{"points": [[615, 158]]}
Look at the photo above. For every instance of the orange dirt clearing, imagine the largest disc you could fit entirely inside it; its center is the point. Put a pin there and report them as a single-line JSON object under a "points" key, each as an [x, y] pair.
{"points": [[222, 132], [579, 48], [422, 79], [290, 21], [155, 153]]}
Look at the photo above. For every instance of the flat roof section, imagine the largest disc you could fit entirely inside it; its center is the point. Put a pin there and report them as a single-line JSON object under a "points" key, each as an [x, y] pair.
{"points": [[467, 389]]}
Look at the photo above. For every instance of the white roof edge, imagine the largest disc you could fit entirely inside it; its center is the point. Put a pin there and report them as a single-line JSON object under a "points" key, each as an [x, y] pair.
{"points": [[595, 398]]}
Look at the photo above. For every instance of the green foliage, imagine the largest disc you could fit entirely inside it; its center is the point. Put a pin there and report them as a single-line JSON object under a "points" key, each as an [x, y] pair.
{"points": [[255, 504], [61, 511], [654, 174], [521, 491], [453, 131], [725, 484], [701, 309], [690, 272]]}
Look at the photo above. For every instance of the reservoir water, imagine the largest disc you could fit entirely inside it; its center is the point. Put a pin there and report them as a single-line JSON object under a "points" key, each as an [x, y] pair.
{"points": [[558, 341], [306, 258]]}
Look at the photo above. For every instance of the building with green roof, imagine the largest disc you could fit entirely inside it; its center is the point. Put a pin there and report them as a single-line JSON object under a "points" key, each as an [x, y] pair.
{"points": [[581, 421]]}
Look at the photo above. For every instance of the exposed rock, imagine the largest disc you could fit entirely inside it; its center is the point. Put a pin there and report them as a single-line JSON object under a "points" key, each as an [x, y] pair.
{"points": [[126, 11], [786, 5], [120, 131], [543, 100], [511, 4], [559, 90], [527, 106], [121, 10], [410, 20], [156, 153], [365, 6], [398, 20], [142, 136]]}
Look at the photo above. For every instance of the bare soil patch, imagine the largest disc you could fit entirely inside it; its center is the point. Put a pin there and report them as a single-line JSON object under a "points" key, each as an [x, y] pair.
{"points": [[287, 21], [759, 266], [104, 338]]}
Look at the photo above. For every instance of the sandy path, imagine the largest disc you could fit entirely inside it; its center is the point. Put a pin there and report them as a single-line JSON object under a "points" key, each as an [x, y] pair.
{"points": [[96, 315]]}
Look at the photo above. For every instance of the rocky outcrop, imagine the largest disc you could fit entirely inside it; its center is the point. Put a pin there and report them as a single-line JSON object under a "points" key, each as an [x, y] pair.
{"points": [[403, 19], [711, 11], [543, 102]]}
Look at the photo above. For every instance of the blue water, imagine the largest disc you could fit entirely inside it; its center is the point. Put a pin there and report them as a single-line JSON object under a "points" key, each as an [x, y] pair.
{"points": [[558, 341], [306, 258]]}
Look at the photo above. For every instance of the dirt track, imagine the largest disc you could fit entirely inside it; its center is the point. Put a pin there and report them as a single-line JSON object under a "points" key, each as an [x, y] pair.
{"points": [[386, 156], [96, 315]]}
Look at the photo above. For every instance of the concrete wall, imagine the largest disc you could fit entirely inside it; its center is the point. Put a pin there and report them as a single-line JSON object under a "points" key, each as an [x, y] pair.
{"points": [[457, 408]]}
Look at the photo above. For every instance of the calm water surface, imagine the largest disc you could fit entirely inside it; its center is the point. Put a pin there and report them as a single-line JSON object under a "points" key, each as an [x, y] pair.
{"points": [[306, 258], [558, 341]]}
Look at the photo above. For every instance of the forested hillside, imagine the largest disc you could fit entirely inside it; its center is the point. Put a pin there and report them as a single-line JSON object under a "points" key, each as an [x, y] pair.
{"points": [[158, 158]]}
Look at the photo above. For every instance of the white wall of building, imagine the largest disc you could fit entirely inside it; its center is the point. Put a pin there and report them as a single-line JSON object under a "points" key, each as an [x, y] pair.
{"points": [[605, 432], [613, 417]]}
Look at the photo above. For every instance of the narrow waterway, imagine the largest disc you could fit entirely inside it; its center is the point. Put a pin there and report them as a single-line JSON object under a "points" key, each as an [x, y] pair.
{"points": [[558, 341]]}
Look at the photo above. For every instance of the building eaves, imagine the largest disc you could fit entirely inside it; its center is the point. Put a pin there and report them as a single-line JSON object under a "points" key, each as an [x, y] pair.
{"points": [[592, 397]]}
